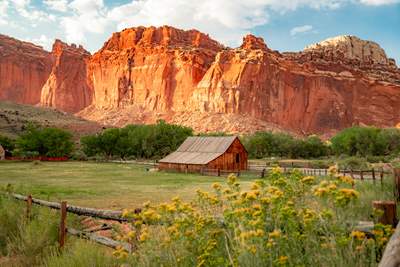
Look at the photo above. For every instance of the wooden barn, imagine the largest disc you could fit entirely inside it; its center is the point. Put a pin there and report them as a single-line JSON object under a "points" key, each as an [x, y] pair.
{"points": [[199, 153]]}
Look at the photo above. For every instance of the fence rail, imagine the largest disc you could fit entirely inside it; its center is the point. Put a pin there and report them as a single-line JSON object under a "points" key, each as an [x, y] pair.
{"points": [[372, 174], [81, 211], [390, 258]]}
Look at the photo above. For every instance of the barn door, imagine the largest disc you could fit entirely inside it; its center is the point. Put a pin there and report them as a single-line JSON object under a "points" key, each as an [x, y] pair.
{"points": [[237, 161]]}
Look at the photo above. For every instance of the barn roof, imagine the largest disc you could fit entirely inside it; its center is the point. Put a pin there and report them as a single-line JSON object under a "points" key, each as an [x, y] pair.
{"points": [[199, 150]]}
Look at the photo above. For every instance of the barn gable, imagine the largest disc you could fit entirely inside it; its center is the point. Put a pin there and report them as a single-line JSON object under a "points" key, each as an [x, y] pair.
{"points": [[200, 150]]}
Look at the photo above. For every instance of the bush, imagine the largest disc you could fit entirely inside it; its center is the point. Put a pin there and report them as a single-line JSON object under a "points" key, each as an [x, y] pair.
{"points": [[267, 144], [284, 220], [50, 142], [79, 155], [354, 163], [7, 143], [366, 141], [138, 141]]}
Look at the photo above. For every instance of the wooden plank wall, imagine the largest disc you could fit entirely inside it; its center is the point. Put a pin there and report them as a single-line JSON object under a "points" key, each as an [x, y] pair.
{"points": [[227, 161]]}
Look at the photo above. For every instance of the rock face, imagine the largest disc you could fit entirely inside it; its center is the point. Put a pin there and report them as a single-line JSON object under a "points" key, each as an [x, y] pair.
{"points": [[155, 68], [24, 68], [143, 74], [67, 87]]}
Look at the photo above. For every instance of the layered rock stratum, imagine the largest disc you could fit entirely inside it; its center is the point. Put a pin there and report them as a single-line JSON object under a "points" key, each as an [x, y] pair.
{"points": [[24, 68], [144, 74], [68, 87]]}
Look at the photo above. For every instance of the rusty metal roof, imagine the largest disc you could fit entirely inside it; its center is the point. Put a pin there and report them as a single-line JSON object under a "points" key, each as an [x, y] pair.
{"points": [[199, 150]]}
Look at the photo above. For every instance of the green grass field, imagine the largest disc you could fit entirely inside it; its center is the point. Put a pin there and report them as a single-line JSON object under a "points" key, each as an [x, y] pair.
{"points": [[101, 185]]}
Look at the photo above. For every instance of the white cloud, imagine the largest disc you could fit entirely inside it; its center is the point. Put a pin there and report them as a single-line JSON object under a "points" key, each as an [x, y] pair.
{"points": [[225, 20], [3, 13], [24, 9], [301, 29], [89, 16], [57, 5], [379, 2]]}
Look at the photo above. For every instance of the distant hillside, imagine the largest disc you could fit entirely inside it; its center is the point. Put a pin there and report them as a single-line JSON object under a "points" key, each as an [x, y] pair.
{"points": [[14, 117]]}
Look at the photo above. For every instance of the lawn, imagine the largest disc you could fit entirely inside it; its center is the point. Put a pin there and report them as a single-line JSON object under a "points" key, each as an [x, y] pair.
{"points": [[101, 185]]}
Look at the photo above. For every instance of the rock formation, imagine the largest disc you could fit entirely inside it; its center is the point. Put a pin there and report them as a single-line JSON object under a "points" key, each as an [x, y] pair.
{"points": [[67, 87], [156, 68], [143, 74], [24, 68]]}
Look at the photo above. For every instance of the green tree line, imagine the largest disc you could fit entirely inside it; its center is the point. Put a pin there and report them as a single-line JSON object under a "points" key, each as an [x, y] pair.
{"points": [[139, 141], [157, 140]]}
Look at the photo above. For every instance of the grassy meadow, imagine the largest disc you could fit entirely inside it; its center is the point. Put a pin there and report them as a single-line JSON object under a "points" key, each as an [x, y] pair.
{"points": [[101, 185], [283, 220]]}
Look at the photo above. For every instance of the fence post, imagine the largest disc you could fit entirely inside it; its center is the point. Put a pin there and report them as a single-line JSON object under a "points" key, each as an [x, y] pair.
{"points": [[397, 183], [263, 173], [373, 174], [218, 172], [28, 207], [326, 172], [389, 211], [381, 176], [361, 175], [351, 173], [63, 222]]}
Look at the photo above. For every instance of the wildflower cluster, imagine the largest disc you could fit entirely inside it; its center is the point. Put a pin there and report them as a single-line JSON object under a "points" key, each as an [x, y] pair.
{"points": [[285, 219]]}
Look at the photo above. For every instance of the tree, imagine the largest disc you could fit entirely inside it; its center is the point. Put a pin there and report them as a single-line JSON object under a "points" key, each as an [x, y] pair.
{"points": [[358, 141], [7, 143], [140, 141], [51, 142]]}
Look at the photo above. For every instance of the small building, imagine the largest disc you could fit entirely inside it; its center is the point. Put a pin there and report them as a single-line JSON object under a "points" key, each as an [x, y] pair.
{"points": [[199, 153], [2, 153]]}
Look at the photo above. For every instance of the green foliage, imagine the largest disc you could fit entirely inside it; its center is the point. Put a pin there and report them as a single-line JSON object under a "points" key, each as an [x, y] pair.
{"points": [[140, 141], [366, 141], [50, 142], [81, 254], [354, 163], [267, 144], [7, 143]]}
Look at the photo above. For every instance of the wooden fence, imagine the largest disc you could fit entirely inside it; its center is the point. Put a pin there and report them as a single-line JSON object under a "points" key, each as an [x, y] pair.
{"points": [[81, 211], [371, 174], [390, 258]]}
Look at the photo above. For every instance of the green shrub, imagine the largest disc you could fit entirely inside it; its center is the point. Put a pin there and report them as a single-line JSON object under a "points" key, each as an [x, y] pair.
{"points": [[366, 141], [7, 143], [81, 254], [354, 163], [50, 142], [267, 144], [79, 155], [138, 141]]}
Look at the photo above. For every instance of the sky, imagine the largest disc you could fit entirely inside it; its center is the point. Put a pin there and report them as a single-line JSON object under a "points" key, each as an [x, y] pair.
{"points": [[285, 25]]}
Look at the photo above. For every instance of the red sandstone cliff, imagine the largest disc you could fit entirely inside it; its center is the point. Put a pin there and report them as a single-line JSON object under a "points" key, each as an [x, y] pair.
{"points": [[309, 97], [145, 74], [24, 68], [156, 68], [68, 87]]}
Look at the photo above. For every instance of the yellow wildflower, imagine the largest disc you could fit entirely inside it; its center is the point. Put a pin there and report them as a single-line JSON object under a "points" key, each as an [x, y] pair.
{"points": [[283, 259], [333, 170], [132, 234], [358, 235], [308, 180], [275, 234], [217, 186], [320, 192], [346, 180]]}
